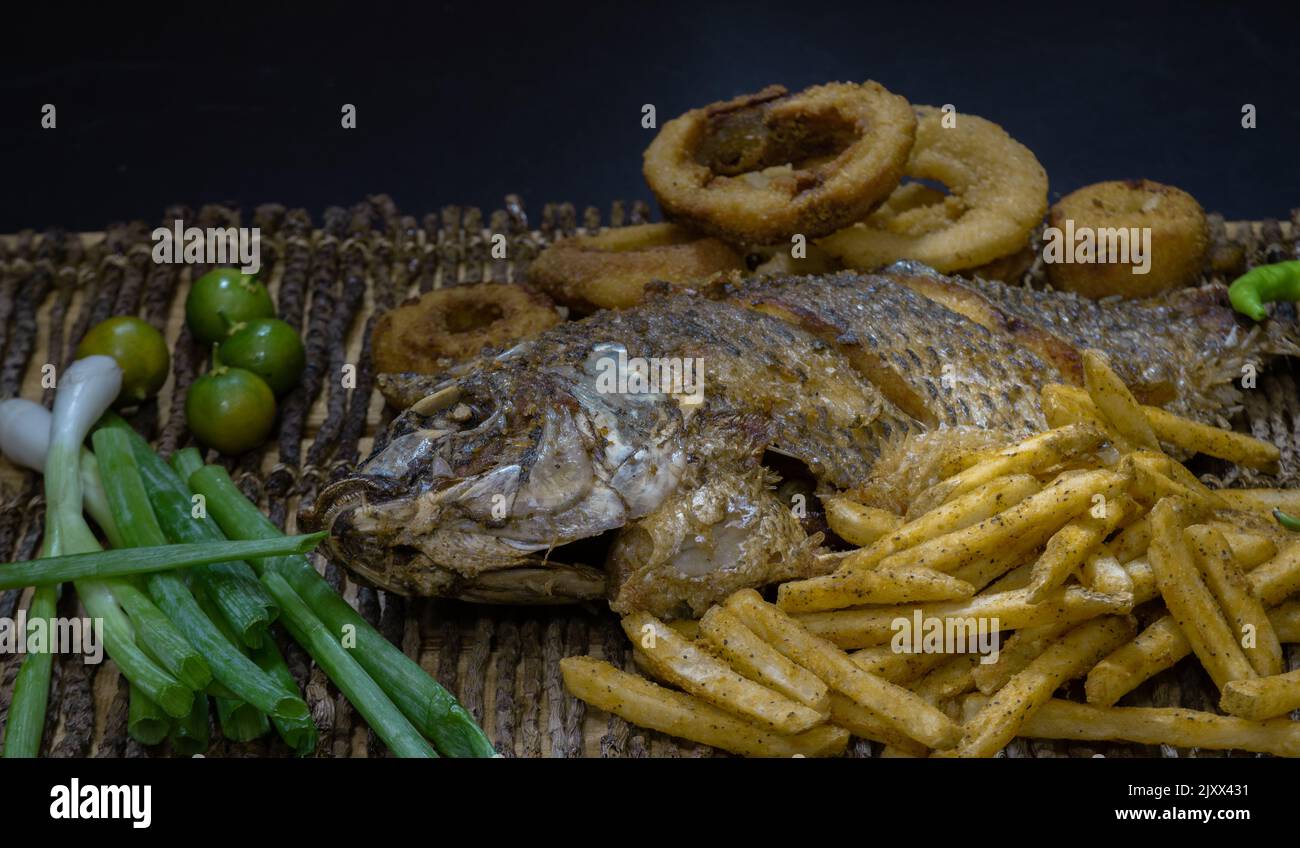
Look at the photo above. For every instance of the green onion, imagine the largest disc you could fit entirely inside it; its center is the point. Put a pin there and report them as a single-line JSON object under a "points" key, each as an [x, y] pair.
{"points": [[1290, 522], [160, 638], [379, 712], [191, 735], [430, 707], [136, 522], [105, 564], [233, 586], [241, 722], [26, 721], [146, 722]]}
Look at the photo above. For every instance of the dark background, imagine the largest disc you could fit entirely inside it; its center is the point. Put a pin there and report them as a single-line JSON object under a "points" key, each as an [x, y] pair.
{"points": [[463, 103]]}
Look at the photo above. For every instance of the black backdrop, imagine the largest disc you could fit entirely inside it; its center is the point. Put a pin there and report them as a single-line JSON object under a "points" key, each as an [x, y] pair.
{"points": [[462, 103]]}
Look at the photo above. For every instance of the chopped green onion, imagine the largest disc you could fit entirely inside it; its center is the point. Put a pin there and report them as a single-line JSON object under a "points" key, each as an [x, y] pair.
{"points": [[233, 586], [241, 722], [105, 564], [135, 519], [379, 712], [160, 638], [146, 722], [1290, 522], [432, 709], [191, 735]]}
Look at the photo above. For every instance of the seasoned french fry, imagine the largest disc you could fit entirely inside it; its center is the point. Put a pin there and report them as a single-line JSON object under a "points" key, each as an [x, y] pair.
{"points": [[900, 709], [1262, 697], [1286, 622], [971, 508], [1151, 484], [1061, 719], [861, 628], [1248, 549], [684, 664], [991, 577], [1061, 407], [1070, 546], [1263, 500], [1244, 612], [1171, 469], [1017, 652], [882, 586], [646, 704], [1031, 456], [1023, 527], [1192, 436], [1163, 643], [1132, 542], [1068, 657], [1189, 600], [1115, 402], [901, 668], [951, 678], [759, 661], [1101, 572], [862, 722], [1143, 580], [687, 628], [857, 523]]}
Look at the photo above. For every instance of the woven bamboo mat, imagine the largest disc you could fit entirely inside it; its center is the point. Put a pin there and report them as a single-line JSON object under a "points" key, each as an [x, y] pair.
{"points": [[330, 278]]}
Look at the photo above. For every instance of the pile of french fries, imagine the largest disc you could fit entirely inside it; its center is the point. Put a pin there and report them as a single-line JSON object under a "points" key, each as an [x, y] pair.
{"points": [[1052, 542]]}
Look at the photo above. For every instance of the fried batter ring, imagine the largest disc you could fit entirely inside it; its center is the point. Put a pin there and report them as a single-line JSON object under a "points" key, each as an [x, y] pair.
{"points": [[998, 194], [427, 334], [764, 167], [609, 270]]}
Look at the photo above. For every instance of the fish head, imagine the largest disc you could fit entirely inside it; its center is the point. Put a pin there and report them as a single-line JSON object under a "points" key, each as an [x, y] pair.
{"points": [[480, 479]]}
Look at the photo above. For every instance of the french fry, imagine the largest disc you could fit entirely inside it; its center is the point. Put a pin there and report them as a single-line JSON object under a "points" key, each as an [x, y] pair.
{"points": [[1070, 546], [759, 661], [1115, 402], [857, 523], [882, 586], [1131, 542], [1151, 484], [971, 508], [1023, 527], [1017, 652], [1262, 500], [1004, 574], [645, 704], [1286, 622], [1189, 600], [900, 709], [1184, 433], [1262, 697], [1031, 456], [949, 679], [1163, 643], [684, 664], [862, 722], [687, 628], [861, 628], [1068, 657], [1244, 612], [1101, 572], [1143, 580], [1181, 728], [901, 668], [1248, 549], [1061, 408]]}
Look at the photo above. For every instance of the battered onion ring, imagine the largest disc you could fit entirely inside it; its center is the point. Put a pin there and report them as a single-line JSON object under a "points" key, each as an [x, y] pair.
{"points": [[610, 270], [1179, 237], [761, 168], [427, 334], [997, 195]]}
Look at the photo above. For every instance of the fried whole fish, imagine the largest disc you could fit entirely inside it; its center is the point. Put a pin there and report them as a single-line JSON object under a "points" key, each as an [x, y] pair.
{"points": [[652, 423]]}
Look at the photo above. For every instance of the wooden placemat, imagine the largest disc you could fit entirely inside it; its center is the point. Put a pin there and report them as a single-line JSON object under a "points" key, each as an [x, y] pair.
{"points": [[330, 278]]}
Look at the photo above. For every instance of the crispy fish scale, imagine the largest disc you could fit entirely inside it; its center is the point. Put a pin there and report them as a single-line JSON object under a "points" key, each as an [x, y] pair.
{"points": [[936, 365]]}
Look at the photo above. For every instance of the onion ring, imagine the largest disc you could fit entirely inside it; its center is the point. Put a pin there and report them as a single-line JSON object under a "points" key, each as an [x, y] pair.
{"points": [[764, 167], [425, 335], [1179, 237], [609, 270], [997, 195]]}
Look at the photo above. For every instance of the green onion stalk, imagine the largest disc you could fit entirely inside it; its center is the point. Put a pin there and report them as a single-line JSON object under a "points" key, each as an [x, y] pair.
{"points": [[427, 705]]}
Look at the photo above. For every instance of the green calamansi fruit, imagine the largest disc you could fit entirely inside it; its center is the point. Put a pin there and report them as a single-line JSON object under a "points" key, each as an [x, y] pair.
{"points": [[230, 409], [270, 349], [140, 351], [222, 298]]}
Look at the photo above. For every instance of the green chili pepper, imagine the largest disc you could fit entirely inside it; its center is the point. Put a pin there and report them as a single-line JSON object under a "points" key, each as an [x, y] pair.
{"points": [[1265, 284], [1290, 522]]}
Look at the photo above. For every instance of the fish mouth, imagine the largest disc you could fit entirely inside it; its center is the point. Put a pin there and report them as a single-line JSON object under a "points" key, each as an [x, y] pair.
{"points": [[476, 489]]}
